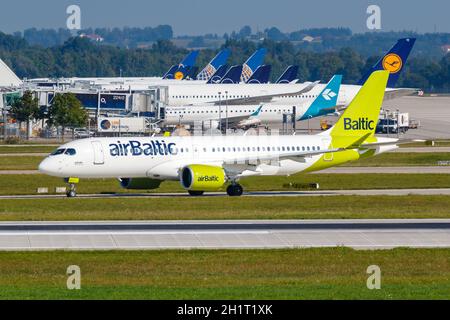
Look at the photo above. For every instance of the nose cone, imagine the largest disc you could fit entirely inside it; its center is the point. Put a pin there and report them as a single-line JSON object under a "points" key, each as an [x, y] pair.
{"points": [[47, 167]]}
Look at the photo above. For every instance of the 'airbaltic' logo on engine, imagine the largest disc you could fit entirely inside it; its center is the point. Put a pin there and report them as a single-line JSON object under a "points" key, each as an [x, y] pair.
{"points": [[136, 148], [360, 124], [208, 178]]}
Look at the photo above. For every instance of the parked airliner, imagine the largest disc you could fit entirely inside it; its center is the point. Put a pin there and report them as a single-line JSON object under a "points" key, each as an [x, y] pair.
{"points": [[208, 163], [244, 116]]}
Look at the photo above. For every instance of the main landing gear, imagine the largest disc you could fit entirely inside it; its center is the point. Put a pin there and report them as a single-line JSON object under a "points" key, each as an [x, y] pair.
{"points": [[235, 190], [72, 192]]}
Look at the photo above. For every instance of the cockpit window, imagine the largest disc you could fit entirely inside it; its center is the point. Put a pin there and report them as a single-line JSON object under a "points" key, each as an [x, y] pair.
{"points": [[70, 152], [58, 152]]}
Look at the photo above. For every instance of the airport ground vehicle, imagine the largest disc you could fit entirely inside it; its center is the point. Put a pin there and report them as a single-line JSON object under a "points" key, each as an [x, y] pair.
{"points": [[397, 124]]}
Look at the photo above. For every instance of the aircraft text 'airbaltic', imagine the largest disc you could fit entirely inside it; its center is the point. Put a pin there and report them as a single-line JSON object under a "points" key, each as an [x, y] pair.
{"points": [[136, 148]]}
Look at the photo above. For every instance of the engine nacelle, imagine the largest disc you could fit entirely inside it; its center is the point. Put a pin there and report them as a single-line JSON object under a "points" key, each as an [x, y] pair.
{"points": [[202, 178], [249, 123], [139, 183]]}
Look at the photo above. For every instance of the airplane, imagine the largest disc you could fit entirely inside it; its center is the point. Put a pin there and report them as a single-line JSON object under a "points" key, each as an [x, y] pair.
{"points": [[218, 75], [289, 75], [232, 76], [199, 94], [179, 71], [7, 77], [218, 61], [252, 64], [261, 75], [244, 116], [209, 163]]}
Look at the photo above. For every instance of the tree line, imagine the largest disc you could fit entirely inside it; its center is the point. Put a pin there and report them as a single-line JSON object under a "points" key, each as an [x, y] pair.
{"points": [[66, 112], [83, 58]]}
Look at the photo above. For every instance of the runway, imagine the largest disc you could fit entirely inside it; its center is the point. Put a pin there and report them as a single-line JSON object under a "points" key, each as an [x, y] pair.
{"points": [[368, 192], [258, 234]]}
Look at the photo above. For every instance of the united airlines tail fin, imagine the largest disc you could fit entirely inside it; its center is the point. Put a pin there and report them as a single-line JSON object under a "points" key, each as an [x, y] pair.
{"points": [[183, 67], [218, 75], [233, 75], [261, 75], [253, 63], [394, 61], [326, 101], [7, 77], [289, 75], [219, 60]]}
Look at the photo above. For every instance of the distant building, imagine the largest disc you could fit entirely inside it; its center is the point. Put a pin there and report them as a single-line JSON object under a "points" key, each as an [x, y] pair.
{"points": [[92, 37], [311, 39]]}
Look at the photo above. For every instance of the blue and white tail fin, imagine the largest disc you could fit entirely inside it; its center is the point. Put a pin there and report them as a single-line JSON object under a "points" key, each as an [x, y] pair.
{"points": [[233, 75], [326, 101], [219, 60], [394, 61], [180, 71], [191, 74], [289, 75], [218, 75], [190, 59], [261, 75], [250, 66]]}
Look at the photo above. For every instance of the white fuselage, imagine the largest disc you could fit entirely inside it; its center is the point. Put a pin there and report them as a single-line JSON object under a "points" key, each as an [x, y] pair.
{"points": [[269, 114], [163, 157]]}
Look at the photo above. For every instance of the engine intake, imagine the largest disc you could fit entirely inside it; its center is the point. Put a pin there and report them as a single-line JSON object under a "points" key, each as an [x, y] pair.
{"points": [[202, 178]]}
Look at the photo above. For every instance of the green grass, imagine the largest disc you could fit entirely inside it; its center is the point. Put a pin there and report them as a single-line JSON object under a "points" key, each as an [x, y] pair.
{"points": [[185, 208], [4, 149], [401, 160], [335, 273], [437, 143], [27, 184], [20, 163]]}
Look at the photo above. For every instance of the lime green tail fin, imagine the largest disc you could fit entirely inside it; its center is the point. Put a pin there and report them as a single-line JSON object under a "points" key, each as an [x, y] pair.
{"points": [[359, 120]]}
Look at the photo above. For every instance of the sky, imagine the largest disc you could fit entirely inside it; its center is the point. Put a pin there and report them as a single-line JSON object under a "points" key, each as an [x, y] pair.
{"points": [[198, 17]]}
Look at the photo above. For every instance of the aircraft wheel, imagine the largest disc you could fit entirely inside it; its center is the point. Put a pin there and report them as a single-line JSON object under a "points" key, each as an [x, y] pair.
{"points": [[71, 194], [235, 190], [196, 193]]}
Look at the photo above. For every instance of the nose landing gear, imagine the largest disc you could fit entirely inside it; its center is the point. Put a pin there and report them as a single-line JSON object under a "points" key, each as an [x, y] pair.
{"points": [[72, 193]]}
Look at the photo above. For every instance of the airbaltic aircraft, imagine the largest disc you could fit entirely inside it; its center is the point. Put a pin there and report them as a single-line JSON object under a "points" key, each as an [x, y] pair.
{"points": [[208, 163], [243, 116]]}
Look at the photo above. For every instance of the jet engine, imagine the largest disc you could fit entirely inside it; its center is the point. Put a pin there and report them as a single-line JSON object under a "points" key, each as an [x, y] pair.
{"points": [[139, 183], [202, 178]]}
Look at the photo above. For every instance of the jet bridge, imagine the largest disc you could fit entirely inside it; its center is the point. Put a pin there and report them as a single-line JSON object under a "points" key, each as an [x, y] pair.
{"points": [[151, 102]]}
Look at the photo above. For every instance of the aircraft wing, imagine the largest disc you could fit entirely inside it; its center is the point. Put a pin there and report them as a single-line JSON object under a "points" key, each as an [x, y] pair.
{"points": [[390, 142], [398, 93], [264, 98], [235, 120]]}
